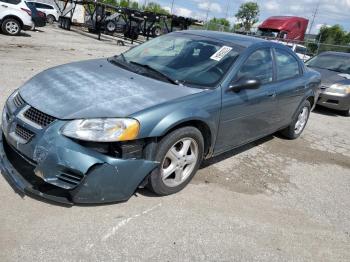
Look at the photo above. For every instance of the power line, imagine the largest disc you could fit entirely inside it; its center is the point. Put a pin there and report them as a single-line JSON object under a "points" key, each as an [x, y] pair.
{"points": [[314, 16]]}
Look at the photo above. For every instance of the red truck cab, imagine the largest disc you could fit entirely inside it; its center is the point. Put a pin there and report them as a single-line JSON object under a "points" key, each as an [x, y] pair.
{"points": [[284, 27]]}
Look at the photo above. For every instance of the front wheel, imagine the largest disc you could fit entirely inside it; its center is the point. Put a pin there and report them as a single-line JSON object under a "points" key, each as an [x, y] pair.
{"points": [[180, 154], [298, 125], [11, 27]]}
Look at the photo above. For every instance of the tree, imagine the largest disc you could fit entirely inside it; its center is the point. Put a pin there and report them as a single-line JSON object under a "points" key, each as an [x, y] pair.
{"points": [[218, 24], [156, 8], [329, 37], [248, 14]]}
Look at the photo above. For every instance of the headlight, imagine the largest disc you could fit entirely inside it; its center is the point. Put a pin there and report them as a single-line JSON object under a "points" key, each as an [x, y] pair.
{"points": [[102, 130], [339, 89]]}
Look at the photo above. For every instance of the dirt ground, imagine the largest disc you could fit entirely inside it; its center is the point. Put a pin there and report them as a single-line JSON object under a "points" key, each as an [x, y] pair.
{"points": [[273, 200]]}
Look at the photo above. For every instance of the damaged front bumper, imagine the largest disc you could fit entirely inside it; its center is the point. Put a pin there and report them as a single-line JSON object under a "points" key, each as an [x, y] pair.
{"points": [[59, 169]]}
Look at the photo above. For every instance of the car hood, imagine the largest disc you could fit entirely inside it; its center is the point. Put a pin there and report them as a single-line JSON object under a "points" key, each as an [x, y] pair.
{"points": [[330, 77], [96, 88]]}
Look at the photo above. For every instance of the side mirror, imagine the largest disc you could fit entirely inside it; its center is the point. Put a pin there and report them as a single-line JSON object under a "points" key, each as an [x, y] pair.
{"points": [[244, 83]]}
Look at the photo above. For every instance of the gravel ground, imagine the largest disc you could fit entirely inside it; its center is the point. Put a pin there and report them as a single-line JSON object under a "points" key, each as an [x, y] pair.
{"points": [[273, 200]]}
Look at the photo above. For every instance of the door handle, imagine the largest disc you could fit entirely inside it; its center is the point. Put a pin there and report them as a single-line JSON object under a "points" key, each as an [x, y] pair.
{"points": [[4, 6]]}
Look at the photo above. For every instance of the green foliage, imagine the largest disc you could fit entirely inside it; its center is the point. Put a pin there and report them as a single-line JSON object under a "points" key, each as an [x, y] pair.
{"points": [[156, 8], [334, 35], [218, 24], [248, 14], [109, 2]]}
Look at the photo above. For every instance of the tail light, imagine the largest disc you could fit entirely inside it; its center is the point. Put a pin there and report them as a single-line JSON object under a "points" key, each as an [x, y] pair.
{"points": [[27, 11], [41, 14]]}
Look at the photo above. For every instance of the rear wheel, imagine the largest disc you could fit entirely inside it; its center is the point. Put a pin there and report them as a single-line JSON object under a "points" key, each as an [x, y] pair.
{"points": [[298, 125], [180, 154], [11, 26], [50, 19]]}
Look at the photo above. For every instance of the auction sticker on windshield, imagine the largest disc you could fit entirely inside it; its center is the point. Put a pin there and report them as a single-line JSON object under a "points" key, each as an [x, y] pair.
{"points": [[221, 53]]}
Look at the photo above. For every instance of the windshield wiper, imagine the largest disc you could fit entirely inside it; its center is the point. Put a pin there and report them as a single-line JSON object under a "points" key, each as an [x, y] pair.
{"points": [[164, 76]]}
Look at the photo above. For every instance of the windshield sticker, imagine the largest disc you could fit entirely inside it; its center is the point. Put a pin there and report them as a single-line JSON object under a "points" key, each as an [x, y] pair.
{"points": [[221, 53], [347, 76]]}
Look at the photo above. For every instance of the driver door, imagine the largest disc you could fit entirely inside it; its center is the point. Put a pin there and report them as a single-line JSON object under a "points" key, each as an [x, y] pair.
{"points": [[249, 114]]}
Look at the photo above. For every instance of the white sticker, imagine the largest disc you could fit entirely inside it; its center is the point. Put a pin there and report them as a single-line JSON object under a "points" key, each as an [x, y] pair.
{"points": [[221, 53]]}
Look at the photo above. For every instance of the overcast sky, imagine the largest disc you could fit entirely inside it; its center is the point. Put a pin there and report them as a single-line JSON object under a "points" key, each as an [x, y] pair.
{"points": [[330, 11]]}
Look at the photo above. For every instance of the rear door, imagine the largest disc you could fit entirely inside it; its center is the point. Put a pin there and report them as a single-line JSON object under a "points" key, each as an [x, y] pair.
{"points": [[249, 114], [290, 87]]}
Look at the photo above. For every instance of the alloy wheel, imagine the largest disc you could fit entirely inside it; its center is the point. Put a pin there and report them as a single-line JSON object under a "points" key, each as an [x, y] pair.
{"points": [[179, 162], [302, 119], [12, 27]]}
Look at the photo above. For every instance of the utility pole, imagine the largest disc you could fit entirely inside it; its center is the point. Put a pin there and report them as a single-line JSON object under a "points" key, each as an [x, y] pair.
{"points": [[314, 16], [172, 7]]}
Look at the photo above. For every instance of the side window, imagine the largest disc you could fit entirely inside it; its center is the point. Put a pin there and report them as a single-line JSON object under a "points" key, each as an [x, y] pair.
{"points": [[258, 65], [287, 65], [13, 2]]}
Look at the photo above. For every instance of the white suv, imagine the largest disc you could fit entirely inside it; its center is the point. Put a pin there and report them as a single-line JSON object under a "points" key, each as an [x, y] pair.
{"points": [[52, 14], [15, 16]]}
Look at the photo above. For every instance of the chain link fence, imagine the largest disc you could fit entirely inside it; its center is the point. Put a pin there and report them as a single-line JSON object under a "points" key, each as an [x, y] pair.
{"points": [[308, 47]]}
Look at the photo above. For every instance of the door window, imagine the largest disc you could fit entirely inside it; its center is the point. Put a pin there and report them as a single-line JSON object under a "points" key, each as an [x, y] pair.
{"points": [[287, 65], [12, 2], [258, 65]]}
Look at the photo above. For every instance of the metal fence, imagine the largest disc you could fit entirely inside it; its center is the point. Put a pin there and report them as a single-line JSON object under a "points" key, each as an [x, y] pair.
{"points": [[308, 47]]}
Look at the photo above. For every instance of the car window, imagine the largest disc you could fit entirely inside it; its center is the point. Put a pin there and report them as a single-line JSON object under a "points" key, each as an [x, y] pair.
{"points": [[13, 2], [300, 50], [333, 62], [258, 65], [287, 65], [43, 6], [186, 58]]}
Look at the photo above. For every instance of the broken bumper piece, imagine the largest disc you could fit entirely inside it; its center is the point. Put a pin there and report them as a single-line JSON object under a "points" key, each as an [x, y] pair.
{"points": [[65, 172]]}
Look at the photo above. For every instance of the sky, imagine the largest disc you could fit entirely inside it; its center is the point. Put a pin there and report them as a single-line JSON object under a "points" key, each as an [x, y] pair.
{"points": [[330, 12]]}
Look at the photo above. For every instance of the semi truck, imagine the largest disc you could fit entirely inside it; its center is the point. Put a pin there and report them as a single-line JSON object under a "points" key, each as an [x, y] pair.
{"points": [[284, 27]]}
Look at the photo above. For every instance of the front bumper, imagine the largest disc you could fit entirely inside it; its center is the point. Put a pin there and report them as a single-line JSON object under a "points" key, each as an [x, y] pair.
{"points": [[334, 101], [104, 179]]}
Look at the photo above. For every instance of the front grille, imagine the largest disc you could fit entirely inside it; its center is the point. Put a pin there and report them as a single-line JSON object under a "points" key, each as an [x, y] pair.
{"points": [[18, 100], [24, 133], [38, 117], [70, 178]]}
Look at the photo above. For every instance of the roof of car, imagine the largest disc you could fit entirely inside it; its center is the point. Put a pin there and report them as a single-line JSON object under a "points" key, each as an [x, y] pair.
{"points": [[335, 53], [241, 40]]}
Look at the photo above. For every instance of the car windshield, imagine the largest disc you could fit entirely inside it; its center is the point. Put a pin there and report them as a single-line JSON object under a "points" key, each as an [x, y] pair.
{"points": [[336, 63], [183, 59]]}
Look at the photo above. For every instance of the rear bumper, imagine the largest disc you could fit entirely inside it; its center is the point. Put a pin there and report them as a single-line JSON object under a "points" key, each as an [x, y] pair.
{"points": [[103, 182], [337, 102]]}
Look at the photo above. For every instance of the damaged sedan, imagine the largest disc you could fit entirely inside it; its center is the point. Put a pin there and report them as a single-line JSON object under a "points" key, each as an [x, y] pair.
{"points": [[95, 131]]}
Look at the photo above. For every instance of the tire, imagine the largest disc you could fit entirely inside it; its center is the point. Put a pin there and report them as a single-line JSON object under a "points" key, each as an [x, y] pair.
{"points": [[11, 26], [345, 112], [110, 27], [163, 181], [50, 19], [156, 31], [296, 128]]}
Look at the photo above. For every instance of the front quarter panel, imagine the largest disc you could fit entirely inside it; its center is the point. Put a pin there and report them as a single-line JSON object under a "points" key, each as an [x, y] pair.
{"points": [[204, 106]]}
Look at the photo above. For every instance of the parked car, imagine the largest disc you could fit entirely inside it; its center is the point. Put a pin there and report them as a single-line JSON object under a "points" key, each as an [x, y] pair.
{"points": [[38, 17], [52, 14], [94, 131], [15, 16], [300, 50], [334, 68]]}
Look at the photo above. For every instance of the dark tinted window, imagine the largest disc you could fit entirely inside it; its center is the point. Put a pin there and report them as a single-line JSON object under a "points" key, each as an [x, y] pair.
{"points": [[332, 62], [287, 65], [258, 65], [13, 2], [43, 6]]}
